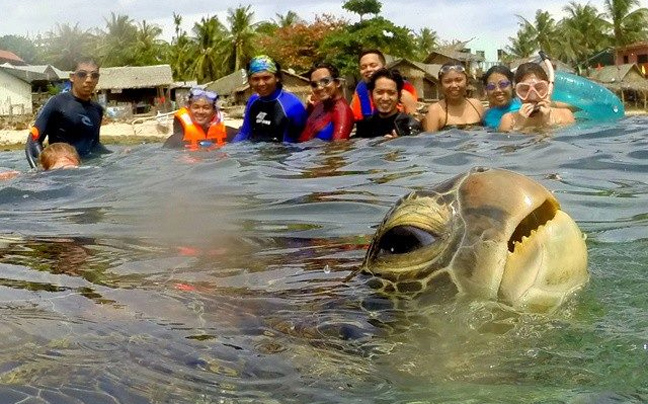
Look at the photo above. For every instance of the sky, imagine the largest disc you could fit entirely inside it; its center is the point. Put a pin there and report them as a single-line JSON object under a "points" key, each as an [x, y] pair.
{"points": [[488, 24]]}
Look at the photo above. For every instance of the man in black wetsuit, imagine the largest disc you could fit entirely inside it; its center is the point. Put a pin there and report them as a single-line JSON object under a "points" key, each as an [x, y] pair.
{"points": [[385, 87], [70, 117]]}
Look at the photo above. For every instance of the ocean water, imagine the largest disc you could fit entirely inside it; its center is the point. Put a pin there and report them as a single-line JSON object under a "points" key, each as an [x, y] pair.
{"points": [[158, 276]]}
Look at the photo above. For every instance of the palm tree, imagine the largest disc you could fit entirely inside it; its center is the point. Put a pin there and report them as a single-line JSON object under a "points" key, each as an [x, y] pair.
{"points": [[208, 40], [118, 42], [238, 47], [66, 44], [543, 31], [523, 45], [291, 18], [582, 33], [148, 46], [179, 50], [628, 25], [426, 41]]}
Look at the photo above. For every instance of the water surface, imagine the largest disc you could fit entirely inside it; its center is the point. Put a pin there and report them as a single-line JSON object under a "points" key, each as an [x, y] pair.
{"points": [[157, 276]]}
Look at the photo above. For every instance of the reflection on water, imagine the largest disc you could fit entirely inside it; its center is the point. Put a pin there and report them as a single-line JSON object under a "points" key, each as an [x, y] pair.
{"points": [[159, 276]]}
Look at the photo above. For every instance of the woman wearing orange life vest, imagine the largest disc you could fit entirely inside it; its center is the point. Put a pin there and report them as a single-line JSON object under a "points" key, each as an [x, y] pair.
{"points": [[200, 124]]}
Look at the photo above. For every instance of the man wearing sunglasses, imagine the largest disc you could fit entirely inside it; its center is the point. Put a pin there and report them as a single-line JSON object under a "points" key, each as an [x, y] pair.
{"points": [[70, 117], [534, 90]]}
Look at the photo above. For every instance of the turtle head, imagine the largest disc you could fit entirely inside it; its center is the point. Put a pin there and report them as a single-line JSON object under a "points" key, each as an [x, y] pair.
{"points": [[490, 233]]}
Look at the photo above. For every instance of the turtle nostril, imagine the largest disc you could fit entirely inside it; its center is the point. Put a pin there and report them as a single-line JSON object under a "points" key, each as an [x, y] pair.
{"points": [[404, 239]]}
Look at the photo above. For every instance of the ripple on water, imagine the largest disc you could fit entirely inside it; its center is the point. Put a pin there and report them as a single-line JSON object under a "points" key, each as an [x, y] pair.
{"points": [[163, 276]]}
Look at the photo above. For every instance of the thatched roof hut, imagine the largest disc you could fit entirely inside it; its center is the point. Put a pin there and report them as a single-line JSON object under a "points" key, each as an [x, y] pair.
{"points": [[130, 77], [626, 80]]}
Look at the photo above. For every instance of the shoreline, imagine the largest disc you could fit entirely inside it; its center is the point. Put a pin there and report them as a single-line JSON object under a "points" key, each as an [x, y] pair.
{"points": [[147, 131]]}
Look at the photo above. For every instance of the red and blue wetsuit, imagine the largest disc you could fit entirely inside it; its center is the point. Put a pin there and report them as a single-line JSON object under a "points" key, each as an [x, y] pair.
{"points": [[66, 118], [279, 117], [362, 105], [329, 120]]}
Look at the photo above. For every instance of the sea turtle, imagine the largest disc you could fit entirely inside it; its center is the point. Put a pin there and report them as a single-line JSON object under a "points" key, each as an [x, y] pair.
{"points": [[493, 233]]}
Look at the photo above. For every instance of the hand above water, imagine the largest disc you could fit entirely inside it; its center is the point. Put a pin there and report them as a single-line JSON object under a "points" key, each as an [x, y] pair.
{"points": [[531, 110]]}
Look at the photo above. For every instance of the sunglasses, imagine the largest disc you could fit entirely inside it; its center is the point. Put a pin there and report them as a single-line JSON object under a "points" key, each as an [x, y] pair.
{"points": [[325, 82], [82, 74], [523, 90], [200, 93], [501, 85], [445, 69]]}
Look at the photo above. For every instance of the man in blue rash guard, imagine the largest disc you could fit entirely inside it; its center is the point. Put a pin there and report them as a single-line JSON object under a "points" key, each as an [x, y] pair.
{"points": [[272, 114], [70, 117]]}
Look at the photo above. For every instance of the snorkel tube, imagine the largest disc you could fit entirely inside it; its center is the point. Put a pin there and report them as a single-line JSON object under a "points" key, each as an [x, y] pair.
{"points": [[551, 74], [550, 71]]}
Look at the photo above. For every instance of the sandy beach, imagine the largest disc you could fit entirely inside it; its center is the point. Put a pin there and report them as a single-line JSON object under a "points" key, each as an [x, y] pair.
{"points": [[147, 129]]}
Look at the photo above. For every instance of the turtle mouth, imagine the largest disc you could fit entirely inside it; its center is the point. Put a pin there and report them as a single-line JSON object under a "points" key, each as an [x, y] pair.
{"points": [[532, 222]]}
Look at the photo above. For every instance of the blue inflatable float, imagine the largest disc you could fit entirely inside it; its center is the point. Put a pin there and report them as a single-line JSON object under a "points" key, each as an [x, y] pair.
{"points": [[594, 102]]}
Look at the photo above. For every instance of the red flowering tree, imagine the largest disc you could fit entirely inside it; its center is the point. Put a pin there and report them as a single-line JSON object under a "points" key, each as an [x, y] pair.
{"points": [[298, 46]]}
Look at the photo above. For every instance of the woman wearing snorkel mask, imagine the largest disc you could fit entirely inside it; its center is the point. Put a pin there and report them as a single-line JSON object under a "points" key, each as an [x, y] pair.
{"points": [[455, 110], [330, 118], [534, 90], [200, 124]]}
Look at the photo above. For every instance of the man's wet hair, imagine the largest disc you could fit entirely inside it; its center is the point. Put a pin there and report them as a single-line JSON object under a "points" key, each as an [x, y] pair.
{"points": [[381, 56], [391, 74], [86, 60]]}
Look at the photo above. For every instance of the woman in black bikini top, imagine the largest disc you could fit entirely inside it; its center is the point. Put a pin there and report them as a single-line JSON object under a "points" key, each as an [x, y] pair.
{"points": [[455, 110]]}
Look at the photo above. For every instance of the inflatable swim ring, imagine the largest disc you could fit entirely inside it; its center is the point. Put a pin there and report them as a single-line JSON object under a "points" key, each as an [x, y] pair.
{"points": [[594, 102]]}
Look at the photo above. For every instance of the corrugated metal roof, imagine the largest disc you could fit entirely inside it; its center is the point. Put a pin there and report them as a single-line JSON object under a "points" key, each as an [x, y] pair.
{"points": [[113, 78], [24, 75], [50, 71]]}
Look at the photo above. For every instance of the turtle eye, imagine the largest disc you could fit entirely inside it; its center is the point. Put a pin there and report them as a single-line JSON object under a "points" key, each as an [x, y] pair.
{"points": [[404, 239]]}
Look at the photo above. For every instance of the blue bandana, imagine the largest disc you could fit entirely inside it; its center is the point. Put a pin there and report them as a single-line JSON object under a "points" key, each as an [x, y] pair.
{"points": [[262, 63]]}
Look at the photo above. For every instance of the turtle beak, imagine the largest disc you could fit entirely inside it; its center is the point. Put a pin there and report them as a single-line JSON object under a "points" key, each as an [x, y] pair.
{"points": [[533, 221]]}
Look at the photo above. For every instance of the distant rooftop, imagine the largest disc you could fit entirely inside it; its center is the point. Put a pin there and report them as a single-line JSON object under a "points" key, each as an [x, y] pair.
{"points": [[113, 78], [7, 56]]}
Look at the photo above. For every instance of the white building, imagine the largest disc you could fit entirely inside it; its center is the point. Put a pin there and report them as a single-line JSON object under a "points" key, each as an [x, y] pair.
{"points": [[15, 93]]}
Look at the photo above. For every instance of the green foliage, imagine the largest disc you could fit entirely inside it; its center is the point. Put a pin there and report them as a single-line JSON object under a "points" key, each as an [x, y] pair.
{"points": [[583, 32], [344, 46], [118, 42], [426, 41], [362, 7], [23, 47], [66, 44]]}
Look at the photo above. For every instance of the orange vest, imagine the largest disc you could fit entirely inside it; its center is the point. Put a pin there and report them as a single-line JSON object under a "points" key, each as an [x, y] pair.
{"points": [[194, 134]]}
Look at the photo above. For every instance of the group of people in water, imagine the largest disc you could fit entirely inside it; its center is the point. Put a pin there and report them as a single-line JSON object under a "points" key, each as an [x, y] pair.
{"points": [[384, 104]]}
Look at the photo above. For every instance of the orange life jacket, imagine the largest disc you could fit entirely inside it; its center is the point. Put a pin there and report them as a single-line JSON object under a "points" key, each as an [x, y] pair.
{"points": [[194, 134]]}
